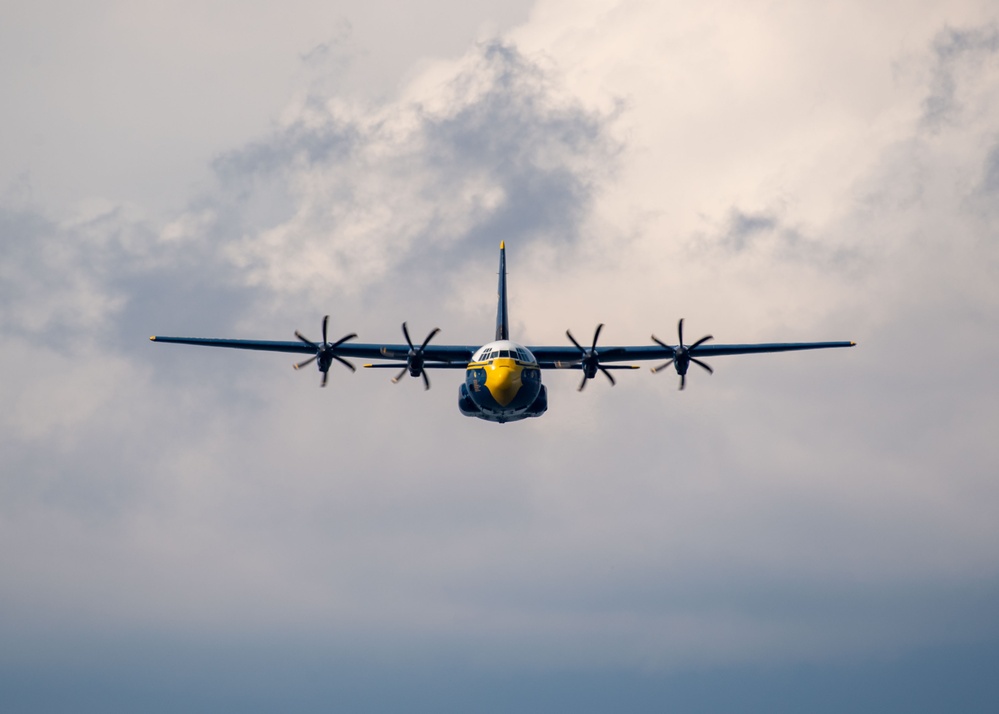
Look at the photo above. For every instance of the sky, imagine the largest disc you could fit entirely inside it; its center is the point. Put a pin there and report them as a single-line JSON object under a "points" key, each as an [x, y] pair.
{"points": [[206, 530]]}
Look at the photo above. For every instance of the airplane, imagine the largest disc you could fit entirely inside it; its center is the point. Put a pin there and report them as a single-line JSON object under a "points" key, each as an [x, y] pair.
{"points": [[502, 378]]}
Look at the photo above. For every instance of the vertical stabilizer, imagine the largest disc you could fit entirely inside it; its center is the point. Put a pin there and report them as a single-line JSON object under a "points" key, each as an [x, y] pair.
{"points": [[502, 318]]}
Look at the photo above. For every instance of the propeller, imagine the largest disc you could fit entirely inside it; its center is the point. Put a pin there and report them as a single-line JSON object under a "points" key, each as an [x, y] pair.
{"points": [[682, 355], [415, 358], [325, 352], [589, 360]]}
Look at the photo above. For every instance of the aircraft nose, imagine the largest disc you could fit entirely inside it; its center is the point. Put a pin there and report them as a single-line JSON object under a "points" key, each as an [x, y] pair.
{"points": [[503, 380]]}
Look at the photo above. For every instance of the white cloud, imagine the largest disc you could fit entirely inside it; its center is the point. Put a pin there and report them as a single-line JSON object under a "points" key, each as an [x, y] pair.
{"points": [[767, 172], [493, 151]]}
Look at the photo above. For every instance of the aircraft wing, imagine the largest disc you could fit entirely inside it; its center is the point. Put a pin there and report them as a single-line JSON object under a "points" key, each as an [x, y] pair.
{"points": [[547, 356], [457, 354], [550, 357]]}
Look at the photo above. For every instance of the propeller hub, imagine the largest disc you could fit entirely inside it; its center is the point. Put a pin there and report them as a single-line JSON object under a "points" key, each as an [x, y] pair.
{"points": [[589, 359], [416, 357], [325, 352], [682, 355]]}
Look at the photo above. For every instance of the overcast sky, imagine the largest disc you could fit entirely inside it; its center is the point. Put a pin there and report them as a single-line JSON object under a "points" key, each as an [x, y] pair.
{"points": [[206, 530]]}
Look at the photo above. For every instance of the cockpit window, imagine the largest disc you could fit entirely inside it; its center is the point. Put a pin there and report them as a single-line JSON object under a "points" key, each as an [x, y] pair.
{"points": [[517, 353]]}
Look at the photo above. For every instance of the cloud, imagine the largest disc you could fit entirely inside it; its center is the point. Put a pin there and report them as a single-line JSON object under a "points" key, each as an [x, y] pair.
{"points": [[341, 195], [787, 509], [957, 52], [55, 277]]}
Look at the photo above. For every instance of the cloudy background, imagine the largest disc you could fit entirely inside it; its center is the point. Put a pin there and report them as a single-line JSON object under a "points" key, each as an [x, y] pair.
{"points": [[206, 530]]}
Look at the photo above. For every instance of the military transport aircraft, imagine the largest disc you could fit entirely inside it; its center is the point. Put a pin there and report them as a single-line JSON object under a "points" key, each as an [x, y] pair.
{"points": [[502, 378]]}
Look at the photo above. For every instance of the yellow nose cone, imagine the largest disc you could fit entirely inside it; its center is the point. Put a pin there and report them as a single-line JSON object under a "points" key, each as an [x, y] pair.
{"points": [[503, 379]]}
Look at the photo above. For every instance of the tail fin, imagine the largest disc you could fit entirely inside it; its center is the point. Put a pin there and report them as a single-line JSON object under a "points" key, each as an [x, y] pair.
{"points": [[502, 317]]}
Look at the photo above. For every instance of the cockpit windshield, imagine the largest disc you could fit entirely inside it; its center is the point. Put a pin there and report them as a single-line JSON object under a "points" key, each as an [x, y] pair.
{"points": [[508, 352]]}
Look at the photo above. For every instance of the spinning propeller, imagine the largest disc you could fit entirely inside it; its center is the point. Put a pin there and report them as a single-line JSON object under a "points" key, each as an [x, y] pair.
{"points": [[415, 357], [325, 352], [589, 361], [682, 355]]}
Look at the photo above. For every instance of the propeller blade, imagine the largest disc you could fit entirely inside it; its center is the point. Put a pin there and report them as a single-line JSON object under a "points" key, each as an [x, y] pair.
{"points": [[608, 375], [343, 339], [433, 332], [661, 343], [683, 381], [702, 364], [395, 379], [699, 343], [596, 335], [326, 375], [306, 362], [345, 363], [405, 333], [583, 383], [326, 322], [306, 340], [679, 329], [573, 341], [426, 379], [661, 367]]}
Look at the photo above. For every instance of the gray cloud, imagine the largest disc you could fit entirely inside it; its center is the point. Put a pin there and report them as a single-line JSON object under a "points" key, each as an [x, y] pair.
{"points": [[502, 154], [990, 178], [743, 227], [211, 524], [957, 52]]}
